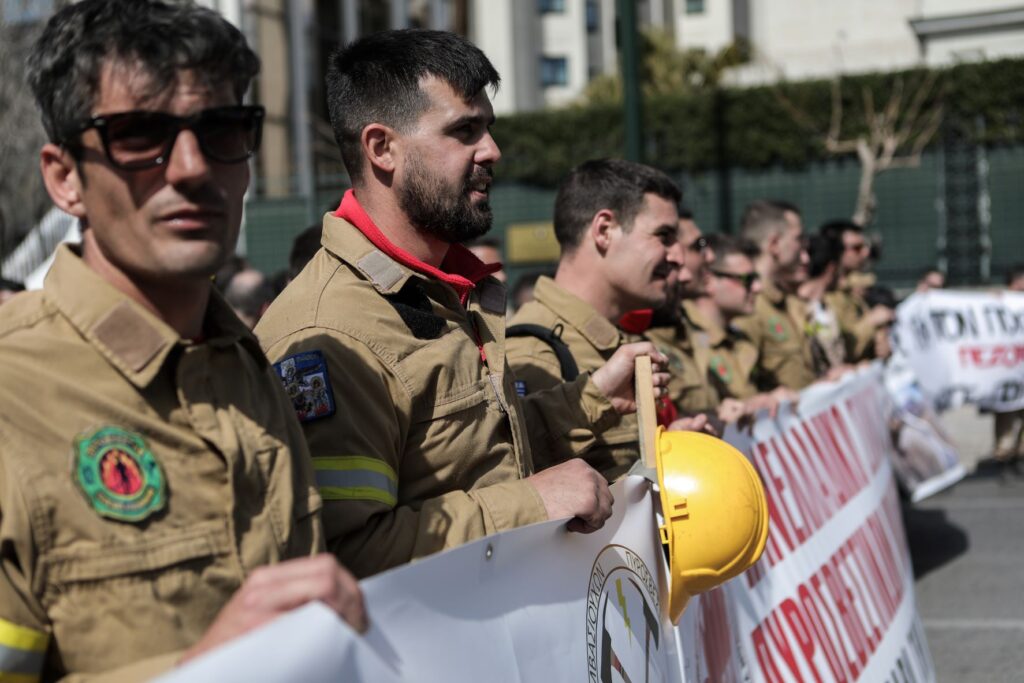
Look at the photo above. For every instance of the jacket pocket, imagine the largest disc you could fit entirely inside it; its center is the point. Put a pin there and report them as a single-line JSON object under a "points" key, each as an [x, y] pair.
{"points": [[119, 601]]}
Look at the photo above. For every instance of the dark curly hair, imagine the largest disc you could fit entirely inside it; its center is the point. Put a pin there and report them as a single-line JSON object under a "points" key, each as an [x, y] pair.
{"points": [[159, 38]]}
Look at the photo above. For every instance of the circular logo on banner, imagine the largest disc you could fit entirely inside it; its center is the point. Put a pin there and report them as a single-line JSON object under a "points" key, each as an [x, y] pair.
{"points": [[624, 635], [119, 475]]}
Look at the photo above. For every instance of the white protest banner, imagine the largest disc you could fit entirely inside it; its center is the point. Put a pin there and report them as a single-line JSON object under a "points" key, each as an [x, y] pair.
{"points": [[832, 599], [965, 346], [532, 604]]}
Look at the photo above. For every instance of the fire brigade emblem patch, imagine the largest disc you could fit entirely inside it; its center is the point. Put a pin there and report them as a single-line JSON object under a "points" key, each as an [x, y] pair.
{"points": [[118, 474], [720, 369], [305, 380], [776, 329]]}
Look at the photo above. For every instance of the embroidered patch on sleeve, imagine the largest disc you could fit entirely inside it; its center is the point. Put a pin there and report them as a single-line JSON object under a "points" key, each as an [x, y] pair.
{"points": [[307, 384], [720, 369], [776, 329], [521, 387]]}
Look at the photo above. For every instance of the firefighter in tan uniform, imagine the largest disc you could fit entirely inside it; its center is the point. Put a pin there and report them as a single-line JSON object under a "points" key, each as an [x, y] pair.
{"points": [[419, 440], [858, 322], [777, 328], [728, 357], [616, 222], [689, 389], [149, 465]]}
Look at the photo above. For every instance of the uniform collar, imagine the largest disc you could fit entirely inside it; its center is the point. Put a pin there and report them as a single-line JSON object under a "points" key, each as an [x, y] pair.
{"points": [[386, 265], [773, 294], [715, 334], [130, 337], [594, 327]]}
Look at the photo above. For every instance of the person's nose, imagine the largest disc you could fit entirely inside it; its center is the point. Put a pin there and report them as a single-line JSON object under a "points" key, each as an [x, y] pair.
{"points": [[187, 163], [488, 152]]}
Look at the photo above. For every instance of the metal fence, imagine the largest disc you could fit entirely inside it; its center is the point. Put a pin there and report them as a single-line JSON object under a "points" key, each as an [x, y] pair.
{"points": [[962, 210]]}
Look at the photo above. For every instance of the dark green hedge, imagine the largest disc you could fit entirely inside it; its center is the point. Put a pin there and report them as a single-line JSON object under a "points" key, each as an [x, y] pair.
{"points": [[752, 127]]}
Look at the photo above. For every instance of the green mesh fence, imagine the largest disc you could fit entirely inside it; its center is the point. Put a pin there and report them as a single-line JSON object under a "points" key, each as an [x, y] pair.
{"points": [[908, 218]]}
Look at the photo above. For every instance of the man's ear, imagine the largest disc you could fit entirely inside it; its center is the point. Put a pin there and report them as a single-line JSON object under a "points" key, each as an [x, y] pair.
{"points": [[378, 143], [62, 178], [602, 229], [772, 244]]}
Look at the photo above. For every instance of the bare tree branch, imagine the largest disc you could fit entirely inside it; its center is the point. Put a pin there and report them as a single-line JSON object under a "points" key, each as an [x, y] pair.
{"points": [[893, 137]]}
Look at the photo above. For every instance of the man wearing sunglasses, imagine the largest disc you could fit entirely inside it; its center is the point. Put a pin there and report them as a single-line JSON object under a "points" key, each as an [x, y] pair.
{"points": [[777, 326], [858, 321], [731, 286], [155, 466], [418, 438]]}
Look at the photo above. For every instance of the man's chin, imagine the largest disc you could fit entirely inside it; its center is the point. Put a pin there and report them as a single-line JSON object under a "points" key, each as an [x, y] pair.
{"points": [[197, 260]]}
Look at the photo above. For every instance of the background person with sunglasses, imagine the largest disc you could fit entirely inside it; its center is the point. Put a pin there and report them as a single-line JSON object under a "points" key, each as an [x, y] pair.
{"points": [[858, 321], [726, 355], [155, 466]]}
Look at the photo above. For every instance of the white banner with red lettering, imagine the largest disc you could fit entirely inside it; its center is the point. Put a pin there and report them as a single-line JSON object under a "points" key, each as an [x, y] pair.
{"points": [[832, 599], [965, 347]]}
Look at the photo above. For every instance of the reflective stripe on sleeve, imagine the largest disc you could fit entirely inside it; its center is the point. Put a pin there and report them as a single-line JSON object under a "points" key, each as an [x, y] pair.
{"points": [[356, 477], [21, 653]]}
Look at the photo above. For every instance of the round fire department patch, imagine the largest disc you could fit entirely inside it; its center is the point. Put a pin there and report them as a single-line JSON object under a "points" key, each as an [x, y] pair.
{"points": [[119, 475], [776, 329]]}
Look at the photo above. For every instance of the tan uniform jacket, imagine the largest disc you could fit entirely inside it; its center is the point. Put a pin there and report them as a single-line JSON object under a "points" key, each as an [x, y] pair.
{"points": [[592, 339], [424, 444], [688, 387], [777, 330], [728, 357], [858, 332], [142, 478]]}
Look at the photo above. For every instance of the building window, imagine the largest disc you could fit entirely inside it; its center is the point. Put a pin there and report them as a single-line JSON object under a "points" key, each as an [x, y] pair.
{"points": [[593, 16], [695, 6], [546, 6], [554, 71]]}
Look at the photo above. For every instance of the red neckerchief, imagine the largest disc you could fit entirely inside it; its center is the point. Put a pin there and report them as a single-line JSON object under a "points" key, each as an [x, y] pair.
{"points": [[461, 268], [638, 321]]}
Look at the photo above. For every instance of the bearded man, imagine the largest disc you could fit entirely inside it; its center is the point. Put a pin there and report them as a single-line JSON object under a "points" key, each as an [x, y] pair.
{"points": [[423, 443]]}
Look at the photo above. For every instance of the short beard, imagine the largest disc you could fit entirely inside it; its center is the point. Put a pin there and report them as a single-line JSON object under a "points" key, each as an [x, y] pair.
{"points": [[434, 209]]}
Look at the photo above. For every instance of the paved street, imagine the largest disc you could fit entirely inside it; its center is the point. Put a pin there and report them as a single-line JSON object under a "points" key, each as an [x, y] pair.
{"points": [[967, 545]]}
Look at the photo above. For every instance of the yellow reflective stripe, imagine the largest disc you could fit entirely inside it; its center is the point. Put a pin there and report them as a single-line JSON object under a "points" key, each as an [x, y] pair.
{"points": [[356, 477], [357, 493], [22, 638], [21, 653], [355, 462]]}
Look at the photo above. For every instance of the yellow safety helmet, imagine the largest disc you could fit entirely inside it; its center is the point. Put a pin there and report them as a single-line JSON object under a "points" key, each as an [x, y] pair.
{"points": [[716, 513]]}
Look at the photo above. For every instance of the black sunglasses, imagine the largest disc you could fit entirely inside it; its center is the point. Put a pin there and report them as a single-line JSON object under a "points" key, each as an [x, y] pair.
{"points": [[698, 245], [747, 279], [136, 140]]}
